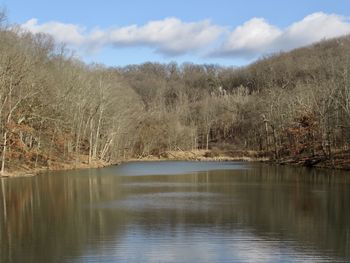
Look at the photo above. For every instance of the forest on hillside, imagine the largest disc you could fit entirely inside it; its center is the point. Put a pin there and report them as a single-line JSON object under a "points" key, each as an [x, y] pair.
{"points": [[56, 109]]}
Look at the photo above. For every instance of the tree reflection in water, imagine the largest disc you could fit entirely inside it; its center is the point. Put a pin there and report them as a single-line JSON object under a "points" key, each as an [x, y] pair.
{"points": [[100, 215]]}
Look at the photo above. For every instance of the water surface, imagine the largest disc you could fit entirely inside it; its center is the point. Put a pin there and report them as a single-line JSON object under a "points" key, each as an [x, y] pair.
{"points": [[177, 212]]}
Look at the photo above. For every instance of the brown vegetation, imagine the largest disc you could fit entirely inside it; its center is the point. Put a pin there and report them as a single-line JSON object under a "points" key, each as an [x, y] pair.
{"points": [[55, 110], [204, 155]]}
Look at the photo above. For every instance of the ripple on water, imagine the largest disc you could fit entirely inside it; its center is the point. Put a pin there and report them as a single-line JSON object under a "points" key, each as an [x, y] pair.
{"points": [[167, 200], [203, 245]]}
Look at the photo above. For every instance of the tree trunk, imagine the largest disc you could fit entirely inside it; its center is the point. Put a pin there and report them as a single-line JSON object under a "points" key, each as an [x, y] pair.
{"points": [[90, 141], [94, 154], [207, 140], [275, 142], [267, 136]]}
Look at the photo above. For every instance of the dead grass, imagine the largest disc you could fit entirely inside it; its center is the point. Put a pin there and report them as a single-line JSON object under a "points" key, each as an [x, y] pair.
{"points": [[26, 171], [204, 155]]}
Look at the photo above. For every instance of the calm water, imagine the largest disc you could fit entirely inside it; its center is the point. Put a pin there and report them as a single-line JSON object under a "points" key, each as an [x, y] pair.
{"points": [[177, 212]]}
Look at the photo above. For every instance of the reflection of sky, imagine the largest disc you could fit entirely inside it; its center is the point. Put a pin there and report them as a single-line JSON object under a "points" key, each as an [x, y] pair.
{"points": [[221, 216], [175, 167], [203, 245], [190, 201]]}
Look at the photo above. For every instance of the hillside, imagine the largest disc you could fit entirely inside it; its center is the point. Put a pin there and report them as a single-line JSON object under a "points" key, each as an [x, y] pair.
{"points": [[56, 111]]}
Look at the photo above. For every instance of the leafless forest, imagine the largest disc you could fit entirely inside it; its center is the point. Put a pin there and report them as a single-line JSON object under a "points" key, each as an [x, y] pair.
{"points": [[56, 109]]}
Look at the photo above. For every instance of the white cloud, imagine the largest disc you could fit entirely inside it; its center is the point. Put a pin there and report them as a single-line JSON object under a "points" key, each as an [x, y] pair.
{"points": [[313, 28], [173, 37], [65, 33], [253, 37], [170, 36], [257, 36]]}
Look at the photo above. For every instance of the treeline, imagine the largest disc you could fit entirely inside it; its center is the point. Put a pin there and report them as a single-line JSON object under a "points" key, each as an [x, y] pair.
{"points": [[56, 109], [299, 102], [289, 104]]}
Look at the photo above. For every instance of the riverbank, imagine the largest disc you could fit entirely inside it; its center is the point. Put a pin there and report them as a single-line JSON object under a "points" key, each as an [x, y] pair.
{"points": [[205, 155], [83, 163], [195, 155], [340, 160]]}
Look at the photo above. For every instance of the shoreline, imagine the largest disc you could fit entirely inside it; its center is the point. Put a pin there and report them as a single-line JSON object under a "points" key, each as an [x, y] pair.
{"points": [[196, 155], [29, 172], [340, 161]]}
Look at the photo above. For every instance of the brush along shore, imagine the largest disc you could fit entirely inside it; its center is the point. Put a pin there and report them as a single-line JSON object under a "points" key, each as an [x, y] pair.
{"points": [[340, 160]]}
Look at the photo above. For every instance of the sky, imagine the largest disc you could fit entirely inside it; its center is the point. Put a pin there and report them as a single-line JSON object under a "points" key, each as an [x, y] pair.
{"points": [[225, 32]]}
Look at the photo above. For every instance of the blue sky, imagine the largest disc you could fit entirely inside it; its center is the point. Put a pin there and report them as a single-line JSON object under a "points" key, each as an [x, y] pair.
{"points": [[221, 31]]}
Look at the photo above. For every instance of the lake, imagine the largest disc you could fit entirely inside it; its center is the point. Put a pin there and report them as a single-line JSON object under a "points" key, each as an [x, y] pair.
{"points": [[177, 212]]}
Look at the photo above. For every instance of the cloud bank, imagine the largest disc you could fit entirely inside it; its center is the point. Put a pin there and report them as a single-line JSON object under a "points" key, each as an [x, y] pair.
{"points": [[257, 37], [174, 37], [170, 36]]}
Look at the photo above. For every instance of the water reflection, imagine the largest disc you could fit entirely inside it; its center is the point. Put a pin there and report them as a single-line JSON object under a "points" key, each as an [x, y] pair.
{"points": [[215, 213]]}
